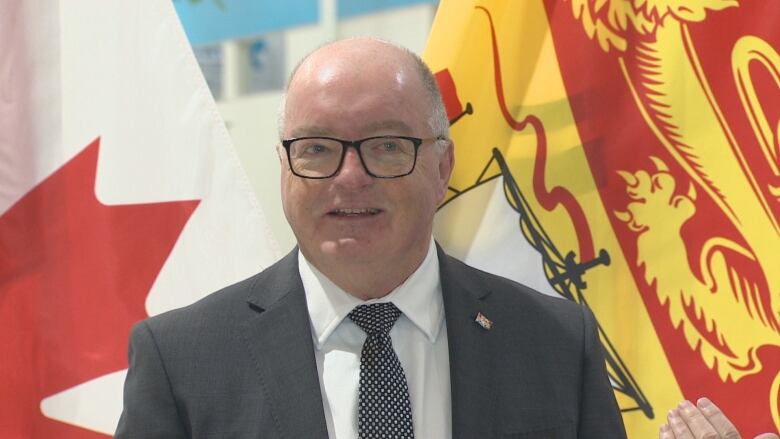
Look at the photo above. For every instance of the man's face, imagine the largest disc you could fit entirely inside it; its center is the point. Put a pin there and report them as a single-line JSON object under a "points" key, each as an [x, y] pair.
{"points": [[353, 218]]}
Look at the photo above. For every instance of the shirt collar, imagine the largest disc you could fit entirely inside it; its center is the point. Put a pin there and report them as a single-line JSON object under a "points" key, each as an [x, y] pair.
{"points": [[419, 298]]}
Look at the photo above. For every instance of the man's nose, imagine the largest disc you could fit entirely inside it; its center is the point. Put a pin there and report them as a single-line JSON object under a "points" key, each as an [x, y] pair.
{"points": [[352, 172]]}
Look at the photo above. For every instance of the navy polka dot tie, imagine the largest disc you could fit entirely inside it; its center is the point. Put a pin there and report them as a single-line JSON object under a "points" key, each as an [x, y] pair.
{"points": [[384, 411]]}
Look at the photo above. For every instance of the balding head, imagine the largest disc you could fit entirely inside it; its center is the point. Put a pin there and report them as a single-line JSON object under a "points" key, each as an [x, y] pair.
{"points": [[361, 55]]}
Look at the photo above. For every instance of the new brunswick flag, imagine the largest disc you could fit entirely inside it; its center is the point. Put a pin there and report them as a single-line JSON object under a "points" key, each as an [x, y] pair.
{"points": [[624, 154]]}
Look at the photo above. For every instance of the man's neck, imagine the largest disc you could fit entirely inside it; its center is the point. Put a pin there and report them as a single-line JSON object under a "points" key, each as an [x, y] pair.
{"points": [[368, 279]]}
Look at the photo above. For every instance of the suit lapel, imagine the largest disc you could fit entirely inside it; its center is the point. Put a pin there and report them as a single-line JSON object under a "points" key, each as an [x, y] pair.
{"points": [[278, 335], [470, 349]]}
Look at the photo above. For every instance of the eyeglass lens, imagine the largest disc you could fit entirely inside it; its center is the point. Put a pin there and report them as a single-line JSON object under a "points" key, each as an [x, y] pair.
{"points": [[382, 156]]}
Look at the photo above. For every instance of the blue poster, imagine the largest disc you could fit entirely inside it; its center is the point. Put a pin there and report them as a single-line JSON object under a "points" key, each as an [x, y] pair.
{"points": [[212, 21]]}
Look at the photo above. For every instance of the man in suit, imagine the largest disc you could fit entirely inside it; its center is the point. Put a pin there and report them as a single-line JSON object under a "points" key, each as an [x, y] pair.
{"points": [[366, 158]]}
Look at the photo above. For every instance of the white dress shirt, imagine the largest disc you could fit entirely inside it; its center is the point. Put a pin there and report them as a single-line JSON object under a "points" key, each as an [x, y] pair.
{"points": [[419, 339]]}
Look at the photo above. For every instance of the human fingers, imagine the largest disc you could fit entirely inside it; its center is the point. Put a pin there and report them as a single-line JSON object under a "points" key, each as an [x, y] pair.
{"points": [[697, 422], [717, 419], [767, 436], [678, 426], [665, 432]]}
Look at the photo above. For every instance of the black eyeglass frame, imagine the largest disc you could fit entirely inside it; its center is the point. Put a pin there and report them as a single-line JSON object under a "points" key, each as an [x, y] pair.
{"points": [[345, 144]]}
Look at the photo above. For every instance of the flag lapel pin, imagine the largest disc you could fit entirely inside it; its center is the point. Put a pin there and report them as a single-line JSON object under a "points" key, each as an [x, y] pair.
{"points": [[483, 321]]}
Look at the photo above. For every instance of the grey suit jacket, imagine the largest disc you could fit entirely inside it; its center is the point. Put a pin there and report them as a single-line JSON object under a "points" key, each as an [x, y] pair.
{"points": [[240, 364]]}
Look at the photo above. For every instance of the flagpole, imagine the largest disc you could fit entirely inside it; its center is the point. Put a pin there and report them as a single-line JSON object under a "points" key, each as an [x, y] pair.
{"points": [[329, 19]]}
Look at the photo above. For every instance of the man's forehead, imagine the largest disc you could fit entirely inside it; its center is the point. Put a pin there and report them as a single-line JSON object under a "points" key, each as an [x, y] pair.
{"points": [[374, 89], [355, 58], [357, 49]]}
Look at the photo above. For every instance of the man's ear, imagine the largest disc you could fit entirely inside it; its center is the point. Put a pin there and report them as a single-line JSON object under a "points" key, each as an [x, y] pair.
{"points": [[280, 154], [446, 165]]}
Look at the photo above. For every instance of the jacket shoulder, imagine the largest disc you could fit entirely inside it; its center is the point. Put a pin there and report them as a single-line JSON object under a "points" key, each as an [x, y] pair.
{"points": [[512, 293], [225, 305]]}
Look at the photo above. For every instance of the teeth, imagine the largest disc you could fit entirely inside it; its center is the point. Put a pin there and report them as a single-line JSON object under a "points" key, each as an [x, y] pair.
{"points": [[363, 211]]}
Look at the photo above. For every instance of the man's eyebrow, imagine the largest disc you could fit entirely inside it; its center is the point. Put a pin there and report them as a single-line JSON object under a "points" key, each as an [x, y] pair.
{"points": [[390, 126], [379, 127], [311, 131]]}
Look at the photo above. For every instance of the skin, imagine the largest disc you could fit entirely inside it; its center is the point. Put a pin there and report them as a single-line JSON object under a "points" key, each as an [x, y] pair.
{"points": [[350, 90], [700, 421]]}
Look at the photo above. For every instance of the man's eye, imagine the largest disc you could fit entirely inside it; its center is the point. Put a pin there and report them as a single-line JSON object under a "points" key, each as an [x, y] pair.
{"points": [[389, 147], [316, 149]]}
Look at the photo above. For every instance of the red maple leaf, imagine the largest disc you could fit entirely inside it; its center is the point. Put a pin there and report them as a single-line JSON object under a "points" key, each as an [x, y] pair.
{"points": [[74, 276]]}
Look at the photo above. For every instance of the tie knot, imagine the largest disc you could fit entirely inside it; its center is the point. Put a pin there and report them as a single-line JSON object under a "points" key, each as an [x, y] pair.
{"points": [[375, 318]]}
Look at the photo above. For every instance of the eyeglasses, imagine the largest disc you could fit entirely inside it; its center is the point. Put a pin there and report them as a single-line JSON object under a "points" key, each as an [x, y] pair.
{"points": [[381, 156]]}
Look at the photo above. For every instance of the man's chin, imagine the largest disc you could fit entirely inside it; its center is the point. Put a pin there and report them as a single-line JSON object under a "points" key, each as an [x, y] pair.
{"points": [[346, 247]]}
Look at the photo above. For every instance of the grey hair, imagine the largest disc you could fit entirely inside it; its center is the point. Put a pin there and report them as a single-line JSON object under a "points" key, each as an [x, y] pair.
{"points": [[438, 120]]}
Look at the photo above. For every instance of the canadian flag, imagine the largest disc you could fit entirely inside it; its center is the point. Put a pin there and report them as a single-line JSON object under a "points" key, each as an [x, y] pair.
{"points": [[120, 197]]}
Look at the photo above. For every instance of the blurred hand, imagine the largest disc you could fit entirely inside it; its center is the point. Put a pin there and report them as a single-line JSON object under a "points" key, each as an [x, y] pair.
{"points": [[701, 421]]}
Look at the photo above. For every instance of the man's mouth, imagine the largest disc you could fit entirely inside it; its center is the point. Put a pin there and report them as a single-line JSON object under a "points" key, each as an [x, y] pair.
{"points": [[366, 211]]}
